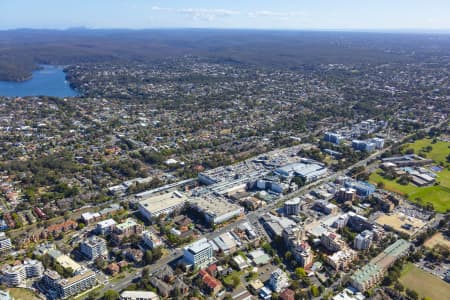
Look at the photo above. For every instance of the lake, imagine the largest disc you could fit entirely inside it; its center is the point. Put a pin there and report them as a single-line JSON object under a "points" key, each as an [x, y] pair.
{"points": [[48, 81]]}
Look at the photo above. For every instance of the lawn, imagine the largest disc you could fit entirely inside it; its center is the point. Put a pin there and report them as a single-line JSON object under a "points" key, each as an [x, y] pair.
{"points": [[438, 154], [20, 293], [439, 195], [424, 283]]}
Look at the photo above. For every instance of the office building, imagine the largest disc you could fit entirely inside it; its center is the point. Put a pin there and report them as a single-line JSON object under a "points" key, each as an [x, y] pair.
{"points": [[365, 146], [94, 247], [199, 253], [278, 280], [163, 204], [363, 189], [333, 138]]}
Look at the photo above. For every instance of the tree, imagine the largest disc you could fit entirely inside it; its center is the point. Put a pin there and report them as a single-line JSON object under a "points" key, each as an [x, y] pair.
{"points": [[145, 273], [288, 256], [235, 281], [300, 273], [315, 291], [412, 294], [111, 295], [399, 287], [148, 257]]}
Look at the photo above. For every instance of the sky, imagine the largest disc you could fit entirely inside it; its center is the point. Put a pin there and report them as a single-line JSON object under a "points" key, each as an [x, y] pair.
{"points": [[253, 14]]}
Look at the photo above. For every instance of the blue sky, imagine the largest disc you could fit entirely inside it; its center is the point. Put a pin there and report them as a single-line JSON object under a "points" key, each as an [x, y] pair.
{"points": [[259, 14]]}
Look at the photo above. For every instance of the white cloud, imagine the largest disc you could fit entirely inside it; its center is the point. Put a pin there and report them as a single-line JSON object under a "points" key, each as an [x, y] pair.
{"points": [[277, 14], [208, 14]]}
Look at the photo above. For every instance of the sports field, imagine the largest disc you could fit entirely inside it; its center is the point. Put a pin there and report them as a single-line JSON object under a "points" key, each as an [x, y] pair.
{"points": [[436, 239], [424, 283], [438, 195], [396, 221]]}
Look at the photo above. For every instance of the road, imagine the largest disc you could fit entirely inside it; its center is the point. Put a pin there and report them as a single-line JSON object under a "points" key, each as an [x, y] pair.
{"points": [[251, 217]]}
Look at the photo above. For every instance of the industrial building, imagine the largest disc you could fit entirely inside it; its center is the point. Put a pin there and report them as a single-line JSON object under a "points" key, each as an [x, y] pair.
{"points": [[216, 210], [157, 205]]}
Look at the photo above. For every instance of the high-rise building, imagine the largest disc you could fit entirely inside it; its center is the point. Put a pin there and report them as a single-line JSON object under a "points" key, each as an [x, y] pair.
{"points": [[94, 247], [105, 227], [5, 243], [332, 138], [332, 241], [363, 240], [292, 207], [16, 275], [66, 287], [198, 253]]}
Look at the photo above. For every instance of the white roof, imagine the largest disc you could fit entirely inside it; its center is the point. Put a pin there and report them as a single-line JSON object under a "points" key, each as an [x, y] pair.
{"points": [[198, 246], [139, 295], [162, 202], [106, 223]]}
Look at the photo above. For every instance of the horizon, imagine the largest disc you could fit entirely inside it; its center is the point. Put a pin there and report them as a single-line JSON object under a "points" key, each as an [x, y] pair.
{"points": [[443, 31], [322, 15]]}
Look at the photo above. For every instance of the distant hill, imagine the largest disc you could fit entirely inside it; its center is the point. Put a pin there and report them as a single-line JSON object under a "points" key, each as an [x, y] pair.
{"points": [[21, 50]]}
